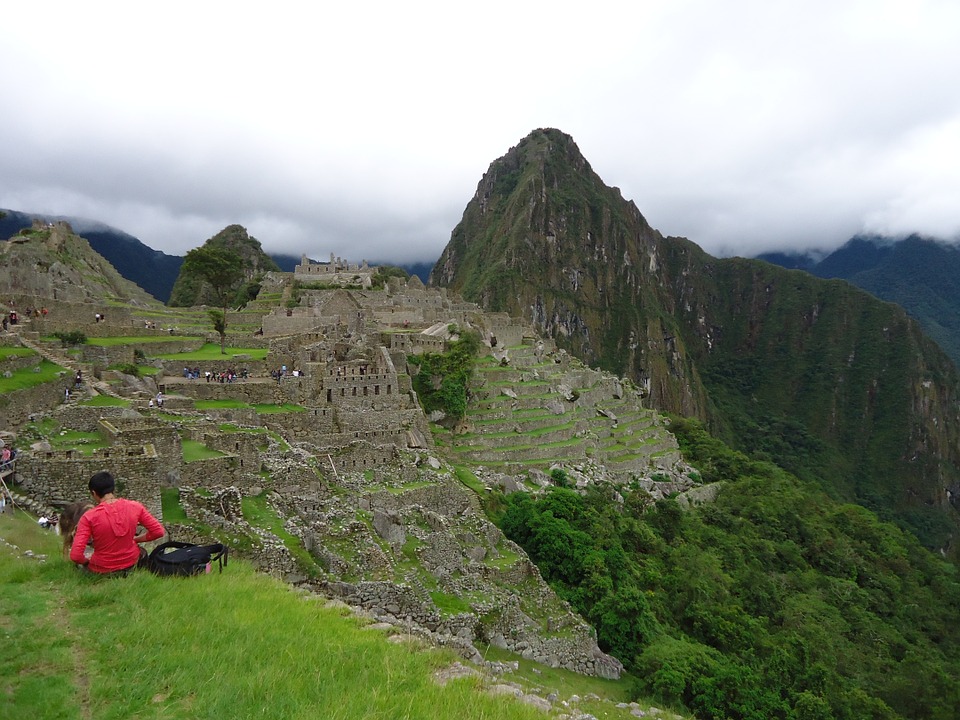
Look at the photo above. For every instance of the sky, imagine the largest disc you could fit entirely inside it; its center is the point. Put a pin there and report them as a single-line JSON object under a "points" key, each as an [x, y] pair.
{"points": [[362, 129]]}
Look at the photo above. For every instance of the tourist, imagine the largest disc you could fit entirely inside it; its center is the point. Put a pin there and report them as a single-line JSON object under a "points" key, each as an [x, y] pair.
{"points": [[112, 525]]}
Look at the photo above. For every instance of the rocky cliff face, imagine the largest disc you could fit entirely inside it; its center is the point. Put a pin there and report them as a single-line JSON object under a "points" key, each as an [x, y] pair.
{"points": [[545, 239], [816, 375], [50, 262]]}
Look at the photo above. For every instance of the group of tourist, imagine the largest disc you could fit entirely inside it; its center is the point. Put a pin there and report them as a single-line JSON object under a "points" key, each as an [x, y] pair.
{"points": [[224, 376], [7, 456], [283, 372]]}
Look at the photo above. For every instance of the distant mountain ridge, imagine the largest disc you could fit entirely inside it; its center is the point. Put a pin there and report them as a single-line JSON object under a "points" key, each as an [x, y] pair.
{"points": [[920, 274], [816, 375], [153, 270]]}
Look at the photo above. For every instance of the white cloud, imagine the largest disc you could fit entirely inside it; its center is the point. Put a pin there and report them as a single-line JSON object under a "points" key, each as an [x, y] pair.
{"points": [[363, 129]]}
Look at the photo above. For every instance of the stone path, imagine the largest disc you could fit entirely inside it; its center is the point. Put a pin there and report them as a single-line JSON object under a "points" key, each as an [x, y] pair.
{"points": [[94, 386]]}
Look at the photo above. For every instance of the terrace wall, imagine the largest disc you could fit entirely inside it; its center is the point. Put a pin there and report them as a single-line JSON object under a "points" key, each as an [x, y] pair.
{"points": [[60, 477]]}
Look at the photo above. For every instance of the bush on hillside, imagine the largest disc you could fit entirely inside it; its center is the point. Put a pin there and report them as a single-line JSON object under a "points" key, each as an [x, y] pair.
{"points": [[70, 338]]}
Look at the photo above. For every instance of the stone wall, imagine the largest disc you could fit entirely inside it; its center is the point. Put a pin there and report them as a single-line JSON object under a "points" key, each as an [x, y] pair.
{"points": [[299, 426], [140, 431], [86, 418], [60, 477], [17, 406], [215, 472]]}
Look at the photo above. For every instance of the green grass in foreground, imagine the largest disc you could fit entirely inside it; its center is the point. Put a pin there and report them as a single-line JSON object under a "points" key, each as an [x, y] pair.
{"points": [[211, 351], [231, 645]]}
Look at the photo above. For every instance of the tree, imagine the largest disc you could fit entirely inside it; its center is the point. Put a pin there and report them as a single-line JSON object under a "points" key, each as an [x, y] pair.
{"points": [[222, 270]]}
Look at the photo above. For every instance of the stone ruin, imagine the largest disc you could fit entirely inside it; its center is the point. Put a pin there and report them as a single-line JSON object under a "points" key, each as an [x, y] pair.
{"points": [[355, 478]]}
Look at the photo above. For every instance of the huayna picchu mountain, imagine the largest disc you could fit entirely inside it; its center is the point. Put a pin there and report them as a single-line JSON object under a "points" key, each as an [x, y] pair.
{"points": [[815, 375]]}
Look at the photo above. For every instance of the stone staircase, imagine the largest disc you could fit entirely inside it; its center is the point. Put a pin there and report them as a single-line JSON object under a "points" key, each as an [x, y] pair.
{"points": [[534, 410], [92, 385]]}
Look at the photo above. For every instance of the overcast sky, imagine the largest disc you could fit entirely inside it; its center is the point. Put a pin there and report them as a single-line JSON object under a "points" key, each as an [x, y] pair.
{"points": [[363, 129]]}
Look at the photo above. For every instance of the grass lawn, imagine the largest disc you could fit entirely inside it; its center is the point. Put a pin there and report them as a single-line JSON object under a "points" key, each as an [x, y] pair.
{"points": [[269, 408], [27, 377], [258, 513], [224, 404], [196, 450], [8, 352], [232, 645], [137, 340], [170, 504], [85, 442], [211, 351]]}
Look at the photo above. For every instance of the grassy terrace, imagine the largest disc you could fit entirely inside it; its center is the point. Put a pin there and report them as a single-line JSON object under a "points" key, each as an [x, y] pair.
{"points": [[518, 417], [194, 450], [258, 513], [27, 377], [83, 442], [15, 352], [115, 341], [104, 401], [262, 408], [532, 434], [211, 351], [80, 647]]}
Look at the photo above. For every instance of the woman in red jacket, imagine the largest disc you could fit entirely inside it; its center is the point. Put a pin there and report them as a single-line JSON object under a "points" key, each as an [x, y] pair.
{"points": [[113, 524]]}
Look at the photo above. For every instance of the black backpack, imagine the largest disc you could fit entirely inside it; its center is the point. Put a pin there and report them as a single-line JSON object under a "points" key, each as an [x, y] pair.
{"points": [[181, 558]]}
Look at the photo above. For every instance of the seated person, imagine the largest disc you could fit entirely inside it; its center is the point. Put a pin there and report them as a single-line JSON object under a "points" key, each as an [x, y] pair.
{"points": [[112, 524], [69, 519]]}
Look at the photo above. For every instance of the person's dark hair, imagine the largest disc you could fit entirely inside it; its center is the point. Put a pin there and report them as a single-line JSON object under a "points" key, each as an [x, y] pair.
{"points": [[102, 483]]}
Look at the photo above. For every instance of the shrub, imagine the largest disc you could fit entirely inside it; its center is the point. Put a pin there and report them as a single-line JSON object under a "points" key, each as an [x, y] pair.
{"points": [[128, 369], [72, 337]]}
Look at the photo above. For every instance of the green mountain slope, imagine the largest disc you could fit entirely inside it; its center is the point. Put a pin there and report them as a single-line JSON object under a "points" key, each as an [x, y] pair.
{"points": [[917, 273], [824, 379], [189, 289], [49, 263]]}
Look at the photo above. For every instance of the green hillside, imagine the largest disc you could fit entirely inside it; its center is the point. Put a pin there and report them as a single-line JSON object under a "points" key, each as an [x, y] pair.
{"points": [[232, 645], [815, 375], [774, 601], [189, 288]]}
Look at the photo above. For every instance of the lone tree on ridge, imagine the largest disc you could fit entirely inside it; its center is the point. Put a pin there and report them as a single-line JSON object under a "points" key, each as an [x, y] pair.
{"points": [[223, 271]]}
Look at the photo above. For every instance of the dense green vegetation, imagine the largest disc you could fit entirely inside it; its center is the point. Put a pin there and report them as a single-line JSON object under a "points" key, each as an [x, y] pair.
{"points": [[814, 375], [775, 601], [442, 380], [384, 273]]}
